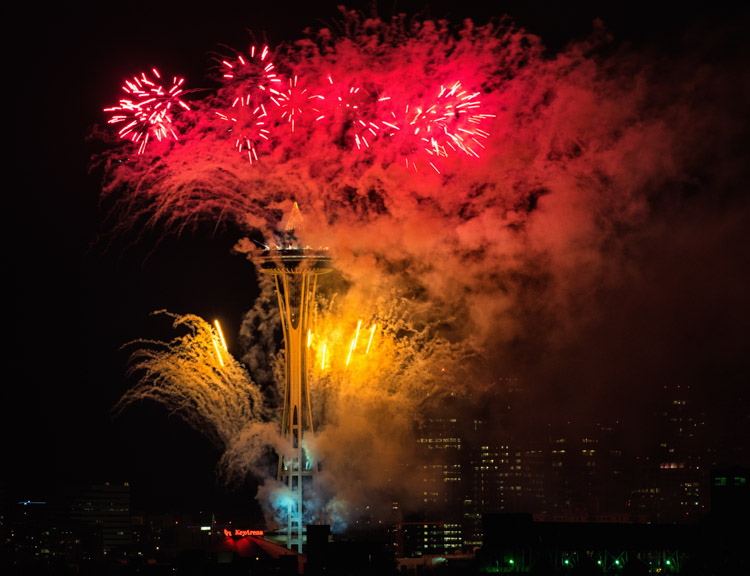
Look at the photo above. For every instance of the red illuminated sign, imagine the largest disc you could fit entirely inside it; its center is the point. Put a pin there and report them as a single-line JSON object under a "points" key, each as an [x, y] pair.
{"points": [[241, 533]]}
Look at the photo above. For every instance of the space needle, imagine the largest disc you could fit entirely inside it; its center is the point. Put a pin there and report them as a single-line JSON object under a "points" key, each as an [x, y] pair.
{"points": [[295, 269]]}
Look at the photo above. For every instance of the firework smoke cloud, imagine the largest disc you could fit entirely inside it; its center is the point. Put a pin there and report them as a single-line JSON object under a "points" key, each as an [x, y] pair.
{"points": [[484, 202]]}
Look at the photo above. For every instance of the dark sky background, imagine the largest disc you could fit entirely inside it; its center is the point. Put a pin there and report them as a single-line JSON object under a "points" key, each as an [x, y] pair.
{"points": [[75, 303]]}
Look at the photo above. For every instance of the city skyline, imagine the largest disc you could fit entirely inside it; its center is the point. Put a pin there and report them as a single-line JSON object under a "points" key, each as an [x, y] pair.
{"points": [[78, 305]]}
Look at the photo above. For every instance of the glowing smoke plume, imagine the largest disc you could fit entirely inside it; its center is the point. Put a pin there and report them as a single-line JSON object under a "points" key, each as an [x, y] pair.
{"points": [[589, 159], [372, 389]]}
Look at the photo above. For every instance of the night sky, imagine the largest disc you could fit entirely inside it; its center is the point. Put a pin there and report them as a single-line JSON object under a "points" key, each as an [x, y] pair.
{"points": [[76, 299]]}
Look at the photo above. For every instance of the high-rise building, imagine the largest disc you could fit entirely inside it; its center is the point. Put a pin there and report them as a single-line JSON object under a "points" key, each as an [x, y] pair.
{"points": [[415, 539], [441, 462], [584, 479], [492, 476], [532, 498], [672, 482], [106, 507]]}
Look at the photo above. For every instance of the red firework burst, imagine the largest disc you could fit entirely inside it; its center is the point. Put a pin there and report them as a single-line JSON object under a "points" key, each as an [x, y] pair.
{"points": [[452, 123], [249, 82], [351, 105], [255, 72], [251, 127], [148, 110], [296, 102], [447, 124]]}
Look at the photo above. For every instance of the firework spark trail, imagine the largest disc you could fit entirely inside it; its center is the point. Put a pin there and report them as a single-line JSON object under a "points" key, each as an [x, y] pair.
{"points": [[508, 254], [406, 350], [204, 386]]}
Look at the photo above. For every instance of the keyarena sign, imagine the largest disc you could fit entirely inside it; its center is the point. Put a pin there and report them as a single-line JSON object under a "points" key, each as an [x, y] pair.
{"points": [[241, 533]]}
